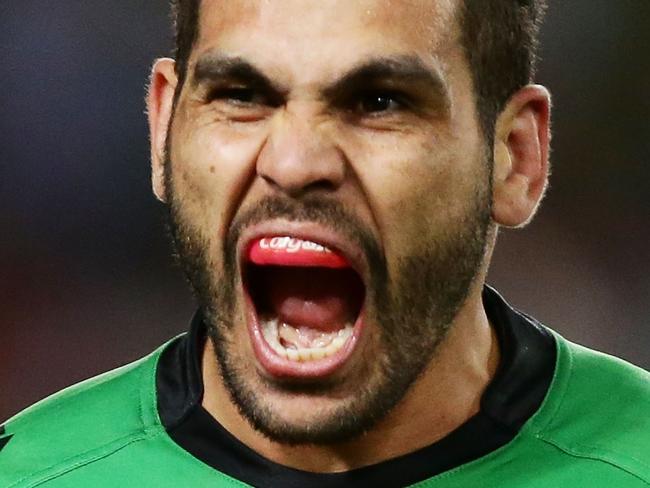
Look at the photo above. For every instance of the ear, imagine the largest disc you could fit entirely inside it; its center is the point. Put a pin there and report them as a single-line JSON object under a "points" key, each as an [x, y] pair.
{"points": [[160, 99], [521, 151]]}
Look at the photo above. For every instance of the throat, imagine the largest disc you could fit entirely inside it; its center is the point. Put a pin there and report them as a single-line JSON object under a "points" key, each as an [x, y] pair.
{"points": [[320, 300]]}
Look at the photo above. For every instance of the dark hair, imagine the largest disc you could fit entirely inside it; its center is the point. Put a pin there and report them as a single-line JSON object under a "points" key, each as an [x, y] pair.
{"points": [[499, 38], [185, 14]]}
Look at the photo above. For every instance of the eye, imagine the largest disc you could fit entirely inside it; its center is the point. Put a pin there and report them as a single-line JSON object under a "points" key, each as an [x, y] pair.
{"points": [[377, 102], [239, 96]]}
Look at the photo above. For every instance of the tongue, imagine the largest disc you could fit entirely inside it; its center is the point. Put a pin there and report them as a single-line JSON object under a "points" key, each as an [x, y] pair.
{"points": [[318, 298], [307, 284]]}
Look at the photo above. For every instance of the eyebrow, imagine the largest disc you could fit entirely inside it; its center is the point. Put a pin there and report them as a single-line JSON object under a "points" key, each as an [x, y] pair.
{"points": [[398, 70], [217, 66]]}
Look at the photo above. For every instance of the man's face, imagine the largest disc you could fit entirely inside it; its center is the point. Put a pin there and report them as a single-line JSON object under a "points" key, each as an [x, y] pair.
{"points": [[351, 125]]}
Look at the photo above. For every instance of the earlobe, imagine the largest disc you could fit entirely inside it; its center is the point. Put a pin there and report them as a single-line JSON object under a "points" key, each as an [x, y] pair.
{"points": [[160, 99], [521, 149]]}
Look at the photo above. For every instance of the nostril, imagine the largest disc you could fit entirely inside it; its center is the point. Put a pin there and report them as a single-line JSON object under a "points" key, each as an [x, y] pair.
{"points": [[269, 180], [322, 185]]}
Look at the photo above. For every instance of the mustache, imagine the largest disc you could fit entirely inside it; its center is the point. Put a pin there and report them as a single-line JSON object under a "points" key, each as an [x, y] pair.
{"points": [[314, 209]]}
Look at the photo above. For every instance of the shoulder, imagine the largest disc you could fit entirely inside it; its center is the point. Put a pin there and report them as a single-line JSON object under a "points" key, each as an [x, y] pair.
{"points": [[597, 409], [80, 424]]}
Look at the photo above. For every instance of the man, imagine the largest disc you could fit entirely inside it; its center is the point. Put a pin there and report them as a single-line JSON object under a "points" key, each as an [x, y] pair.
{"points": [[335, 174]]}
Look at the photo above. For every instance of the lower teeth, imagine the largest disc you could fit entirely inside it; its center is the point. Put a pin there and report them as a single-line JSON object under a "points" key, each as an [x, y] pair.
{"points": [[327, 345]]}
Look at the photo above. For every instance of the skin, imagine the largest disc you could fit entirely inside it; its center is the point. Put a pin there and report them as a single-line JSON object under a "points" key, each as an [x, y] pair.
{"points": [[402, 170]]}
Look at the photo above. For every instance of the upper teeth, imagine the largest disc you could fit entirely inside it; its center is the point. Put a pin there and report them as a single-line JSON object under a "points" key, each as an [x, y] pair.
{"points": [[326, 345]]}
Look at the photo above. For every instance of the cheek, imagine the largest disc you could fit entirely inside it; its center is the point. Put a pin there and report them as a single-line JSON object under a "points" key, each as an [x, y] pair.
{"points": [[211, 169], [419, 186]]}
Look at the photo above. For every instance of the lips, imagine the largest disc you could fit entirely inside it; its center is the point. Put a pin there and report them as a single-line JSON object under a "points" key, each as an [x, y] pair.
{"points": [[304, 301]]}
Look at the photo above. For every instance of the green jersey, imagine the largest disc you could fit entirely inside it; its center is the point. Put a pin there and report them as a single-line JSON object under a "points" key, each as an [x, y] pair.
{"points": [[572, 418]]}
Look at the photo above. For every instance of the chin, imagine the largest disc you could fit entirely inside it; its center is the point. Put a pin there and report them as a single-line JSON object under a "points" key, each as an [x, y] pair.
{"points": [[315, 341], [322, 409]]}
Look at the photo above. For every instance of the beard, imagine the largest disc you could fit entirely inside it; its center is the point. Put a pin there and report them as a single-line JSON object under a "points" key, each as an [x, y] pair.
{"points": [[410, 310]]}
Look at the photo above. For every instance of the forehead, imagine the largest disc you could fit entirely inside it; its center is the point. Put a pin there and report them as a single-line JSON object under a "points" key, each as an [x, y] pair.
{"points": [[326, 34]]}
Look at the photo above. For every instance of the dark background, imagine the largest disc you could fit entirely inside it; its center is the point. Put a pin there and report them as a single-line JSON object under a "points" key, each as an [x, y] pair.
{"points": [[86, 283]]}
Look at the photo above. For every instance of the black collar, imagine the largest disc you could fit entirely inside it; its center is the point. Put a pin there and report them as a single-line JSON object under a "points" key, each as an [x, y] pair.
{"points": [[514, 395]]}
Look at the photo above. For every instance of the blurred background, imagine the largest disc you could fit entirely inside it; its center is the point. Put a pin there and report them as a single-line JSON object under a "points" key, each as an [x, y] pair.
{"points": [[86, 282]]}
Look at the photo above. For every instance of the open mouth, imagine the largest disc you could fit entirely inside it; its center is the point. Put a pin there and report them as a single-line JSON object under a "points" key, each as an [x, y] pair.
{"points": [[306, 304]]}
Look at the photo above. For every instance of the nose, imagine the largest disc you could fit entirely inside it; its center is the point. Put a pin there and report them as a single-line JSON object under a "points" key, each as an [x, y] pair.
{"points": [[300, 155]]}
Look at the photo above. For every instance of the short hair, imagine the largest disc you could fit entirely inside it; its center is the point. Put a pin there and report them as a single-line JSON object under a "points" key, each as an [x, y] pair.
{"points": [[500, 39]]}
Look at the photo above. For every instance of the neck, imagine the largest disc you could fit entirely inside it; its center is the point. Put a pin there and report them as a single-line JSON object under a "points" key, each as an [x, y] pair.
{"points": [[445, 396]]}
